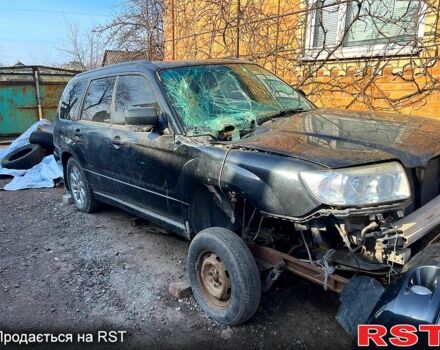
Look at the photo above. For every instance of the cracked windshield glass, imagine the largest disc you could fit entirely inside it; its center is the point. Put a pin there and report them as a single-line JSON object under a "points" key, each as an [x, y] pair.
{"points": [[235, 97]]}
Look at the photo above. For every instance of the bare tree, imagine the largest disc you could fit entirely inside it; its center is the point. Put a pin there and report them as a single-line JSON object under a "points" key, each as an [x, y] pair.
{"points": [[83, 47], [137, 27]]}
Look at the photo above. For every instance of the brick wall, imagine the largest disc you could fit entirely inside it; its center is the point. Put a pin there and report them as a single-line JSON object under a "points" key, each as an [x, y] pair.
{"points": [[272, 33]]}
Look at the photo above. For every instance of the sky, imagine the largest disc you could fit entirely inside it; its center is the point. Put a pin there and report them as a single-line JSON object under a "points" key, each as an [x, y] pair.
{"points": [[31, 30]]}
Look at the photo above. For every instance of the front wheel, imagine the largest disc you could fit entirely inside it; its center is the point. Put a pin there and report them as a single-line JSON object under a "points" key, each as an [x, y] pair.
{"points": [[224, 276]]}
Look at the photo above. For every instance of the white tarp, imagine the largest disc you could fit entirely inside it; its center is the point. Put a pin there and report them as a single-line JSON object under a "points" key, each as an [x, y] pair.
{"points": [[40, 175]]}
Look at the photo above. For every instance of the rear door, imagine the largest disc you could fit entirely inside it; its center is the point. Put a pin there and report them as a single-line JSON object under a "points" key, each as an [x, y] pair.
{"points": [[144, 164], [92, 133], [67, 114]]}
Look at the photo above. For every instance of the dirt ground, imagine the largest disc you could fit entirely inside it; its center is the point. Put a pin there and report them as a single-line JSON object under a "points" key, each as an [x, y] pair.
{"points": [[63, 270]]}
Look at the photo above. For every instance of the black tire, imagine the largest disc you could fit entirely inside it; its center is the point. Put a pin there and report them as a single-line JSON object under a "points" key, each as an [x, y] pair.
{"points": [[89, 203], [42, 138], [243, 297], [24, 157]]}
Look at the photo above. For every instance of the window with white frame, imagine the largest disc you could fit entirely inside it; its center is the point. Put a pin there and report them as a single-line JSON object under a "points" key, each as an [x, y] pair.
{"points": [[363, 27]]}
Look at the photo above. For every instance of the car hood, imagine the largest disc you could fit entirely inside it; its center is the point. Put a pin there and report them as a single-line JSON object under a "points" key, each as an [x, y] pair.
{"points": [[341, 138]]}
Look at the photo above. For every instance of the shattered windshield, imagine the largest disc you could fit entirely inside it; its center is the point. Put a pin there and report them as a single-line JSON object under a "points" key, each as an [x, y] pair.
{"points": [[212, 98]]}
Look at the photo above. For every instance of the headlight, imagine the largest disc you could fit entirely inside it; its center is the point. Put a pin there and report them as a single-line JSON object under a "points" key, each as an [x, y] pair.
{"points": [[370, 184]]}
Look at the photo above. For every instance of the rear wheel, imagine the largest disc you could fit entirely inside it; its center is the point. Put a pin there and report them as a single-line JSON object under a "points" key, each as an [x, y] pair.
{"points": [[80, 189], [224, 276]]}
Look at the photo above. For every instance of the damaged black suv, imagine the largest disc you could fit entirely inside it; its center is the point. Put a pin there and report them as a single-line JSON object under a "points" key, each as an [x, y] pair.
{"points": [[231, 157]]}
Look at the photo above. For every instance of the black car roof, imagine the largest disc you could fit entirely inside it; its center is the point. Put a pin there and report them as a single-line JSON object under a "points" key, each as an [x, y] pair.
{"points": [[152, 66]]}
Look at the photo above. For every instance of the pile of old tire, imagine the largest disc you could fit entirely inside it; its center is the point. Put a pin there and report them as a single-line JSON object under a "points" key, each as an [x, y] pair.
{"points": [[25, 157]]}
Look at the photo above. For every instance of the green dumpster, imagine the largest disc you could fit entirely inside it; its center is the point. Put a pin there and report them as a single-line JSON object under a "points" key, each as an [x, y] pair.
{"points": [[29, 93]]}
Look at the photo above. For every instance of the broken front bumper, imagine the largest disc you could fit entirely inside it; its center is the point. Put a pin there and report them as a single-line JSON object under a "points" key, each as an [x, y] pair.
{"points": [[413, 298], [420, 222]]}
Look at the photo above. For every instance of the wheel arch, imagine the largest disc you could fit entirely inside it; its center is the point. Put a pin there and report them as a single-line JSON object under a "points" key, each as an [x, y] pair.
{"points": [[199, 186], [65, 156], [209, 206]]}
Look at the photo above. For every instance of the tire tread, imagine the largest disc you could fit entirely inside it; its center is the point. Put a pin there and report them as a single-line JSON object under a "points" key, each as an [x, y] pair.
{"points": [[33, 157], [248, 272]]}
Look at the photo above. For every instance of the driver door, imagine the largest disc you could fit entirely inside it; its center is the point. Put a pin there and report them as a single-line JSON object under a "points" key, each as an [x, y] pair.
{"points": [[145, 167]]}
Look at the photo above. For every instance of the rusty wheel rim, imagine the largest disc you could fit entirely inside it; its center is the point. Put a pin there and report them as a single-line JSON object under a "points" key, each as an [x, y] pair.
{"points": [[214, 280]]}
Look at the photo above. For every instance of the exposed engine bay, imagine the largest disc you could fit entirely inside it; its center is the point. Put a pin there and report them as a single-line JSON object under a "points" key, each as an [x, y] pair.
{"points": [[376, 241]]}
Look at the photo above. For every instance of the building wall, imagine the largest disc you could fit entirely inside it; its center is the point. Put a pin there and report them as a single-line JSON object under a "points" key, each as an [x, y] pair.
{"points": [[273, 33]]}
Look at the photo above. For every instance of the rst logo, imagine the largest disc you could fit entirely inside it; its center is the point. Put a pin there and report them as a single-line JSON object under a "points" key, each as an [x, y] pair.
{"points": [[401, 335]]}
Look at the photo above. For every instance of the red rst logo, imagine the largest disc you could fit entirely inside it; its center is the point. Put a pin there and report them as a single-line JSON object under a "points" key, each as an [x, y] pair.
{"points": [[401, 335]]}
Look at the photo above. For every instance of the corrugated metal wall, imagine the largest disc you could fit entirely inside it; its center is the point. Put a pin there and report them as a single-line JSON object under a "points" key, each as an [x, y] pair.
{"points": [[18, 96]]}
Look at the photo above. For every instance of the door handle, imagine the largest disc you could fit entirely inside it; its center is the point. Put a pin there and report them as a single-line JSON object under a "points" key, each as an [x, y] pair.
{"points": [[77, 133], [117, 141]]}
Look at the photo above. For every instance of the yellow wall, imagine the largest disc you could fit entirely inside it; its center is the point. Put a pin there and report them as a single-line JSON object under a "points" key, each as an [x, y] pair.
{"points": [[273, 33]]}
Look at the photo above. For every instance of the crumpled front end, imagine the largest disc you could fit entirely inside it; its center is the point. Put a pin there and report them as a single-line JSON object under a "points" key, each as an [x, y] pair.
{"points": [[368, 253]]}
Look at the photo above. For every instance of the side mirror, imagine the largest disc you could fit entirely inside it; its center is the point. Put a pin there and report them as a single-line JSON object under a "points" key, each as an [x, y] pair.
{"points": [[142, 116]]}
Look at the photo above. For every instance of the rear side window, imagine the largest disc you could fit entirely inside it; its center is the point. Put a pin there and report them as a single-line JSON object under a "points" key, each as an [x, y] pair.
{"points": [[98, 101], [69, 104], [132, 91]]}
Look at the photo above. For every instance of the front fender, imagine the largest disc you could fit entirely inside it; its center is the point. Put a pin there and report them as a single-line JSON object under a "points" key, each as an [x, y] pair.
{"points": [[270, 182]]}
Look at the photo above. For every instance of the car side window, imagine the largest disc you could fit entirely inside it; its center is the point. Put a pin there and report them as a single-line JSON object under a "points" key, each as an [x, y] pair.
{"points": [[69, 103], [98, 101], [132, 91]]}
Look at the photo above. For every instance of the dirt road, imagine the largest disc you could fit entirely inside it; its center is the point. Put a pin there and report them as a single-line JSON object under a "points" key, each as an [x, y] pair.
{"points": [[67, 271]]}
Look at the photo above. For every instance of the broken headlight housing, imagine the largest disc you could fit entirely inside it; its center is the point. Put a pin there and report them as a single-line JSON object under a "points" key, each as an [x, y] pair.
{"points": [[363, 185]]}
